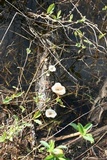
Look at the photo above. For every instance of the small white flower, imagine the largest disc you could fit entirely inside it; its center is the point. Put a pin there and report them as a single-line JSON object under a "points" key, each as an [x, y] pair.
{"points": [[52, 68], [50, 113], [58, 89]]}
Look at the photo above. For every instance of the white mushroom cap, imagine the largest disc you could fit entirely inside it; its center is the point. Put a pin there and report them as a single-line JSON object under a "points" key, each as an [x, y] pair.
{"points": [[52, 68], [58, 89], [50, 113]]}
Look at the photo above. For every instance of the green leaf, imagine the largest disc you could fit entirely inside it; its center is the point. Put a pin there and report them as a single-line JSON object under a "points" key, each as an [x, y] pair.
{"points": [[81, 129], [25, 124], [51, 146], [70, 18], [45, 144], [89, 137], [81, 20], [50, 157], [10, 139], [88, 126], [101, 35], [36, 115], [54, 17], [75, 126], [75, 33], [58, 15], [7, 100], [16, 118], [87, 41], [62, 147], [105, 8], [28, 50], [22, 108], [3, 137], [41, 149], [36, 99], [60, 158], [58, 152], [78, 45], [18, 94], [83, 47], [38, 121], [58, 100], [79, 33], [51, 8], [14, 87]]}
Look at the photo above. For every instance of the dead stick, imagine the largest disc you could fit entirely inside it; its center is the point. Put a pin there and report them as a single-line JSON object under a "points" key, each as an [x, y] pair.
{"points": [[94, 133]]}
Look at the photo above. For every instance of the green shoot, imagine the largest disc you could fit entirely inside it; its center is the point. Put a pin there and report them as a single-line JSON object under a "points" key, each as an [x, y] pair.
{"points": [[13, 130], [13, 96], [36, 115], [51, 8], [54, 153], [84, 131]]}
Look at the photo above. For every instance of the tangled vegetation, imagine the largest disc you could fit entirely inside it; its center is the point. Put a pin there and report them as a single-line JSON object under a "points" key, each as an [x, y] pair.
{"points": [[52, 79]]}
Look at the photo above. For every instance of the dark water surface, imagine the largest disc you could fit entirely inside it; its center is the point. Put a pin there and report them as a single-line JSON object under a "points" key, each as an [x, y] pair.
{"points": [[89, 66]]}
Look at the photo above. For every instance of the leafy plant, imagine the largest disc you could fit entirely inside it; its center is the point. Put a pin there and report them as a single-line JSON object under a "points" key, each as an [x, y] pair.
{"points": [[84, 131], [13, 96], [13, 129], [50, 12], [36, 115], [51, 8], [60, 102], [80, 37], [53, 153]]}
